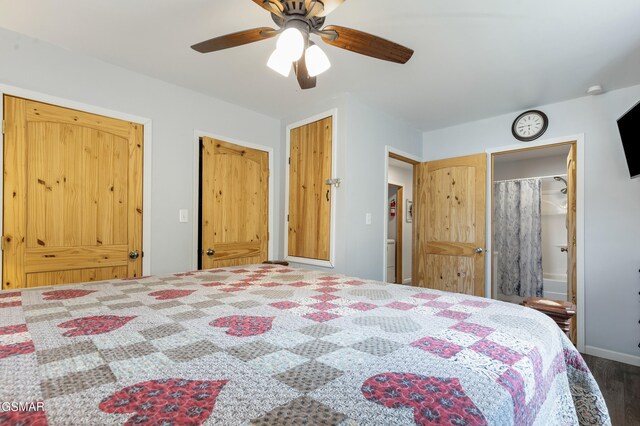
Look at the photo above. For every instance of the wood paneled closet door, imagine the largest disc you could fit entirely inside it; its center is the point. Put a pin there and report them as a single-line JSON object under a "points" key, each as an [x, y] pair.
{"points": [[72, 196], [309, 215], [234, 204], [449, 210]]}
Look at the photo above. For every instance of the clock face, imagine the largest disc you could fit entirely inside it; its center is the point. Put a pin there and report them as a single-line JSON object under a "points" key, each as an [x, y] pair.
{"points": [[529, 125]]}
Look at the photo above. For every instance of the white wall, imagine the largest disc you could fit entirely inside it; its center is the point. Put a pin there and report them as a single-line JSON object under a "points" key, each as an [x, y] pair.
{"points": [[532, 167], [176, 112], [363, 134], [612, 203], [404, 178]]}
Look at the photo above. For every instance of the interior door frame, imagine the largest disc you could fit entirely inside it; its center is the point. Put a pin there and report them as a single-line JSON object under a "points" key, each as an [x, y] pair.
{"points": [[93, 109], [578, 139], [390, 151], [331, 263], [399, 232], [197, 134]]}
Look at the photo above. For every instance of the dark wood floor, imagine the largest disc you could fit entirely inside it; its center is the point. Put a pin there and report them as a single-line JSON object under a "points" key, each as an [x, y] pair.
{"points": [[620, 386]]}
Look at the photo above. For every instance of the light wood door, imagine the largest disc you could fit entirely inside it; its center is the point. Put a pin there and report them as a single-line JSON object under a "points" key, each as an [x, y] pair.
{"points": [[449, 224], [234, 205], [571, 236], [72, 196], [309, 230]]}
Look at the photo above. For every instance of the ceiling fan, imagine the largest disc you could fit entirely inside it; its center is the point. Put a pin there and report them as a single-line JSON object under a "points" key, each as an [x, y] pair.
{"points": [[296, 21]]}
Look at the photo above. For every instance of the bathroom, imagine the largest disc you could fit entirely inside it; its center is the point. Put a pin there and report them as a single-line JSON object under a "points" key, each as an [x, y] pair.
{"points": [[530, 200]]}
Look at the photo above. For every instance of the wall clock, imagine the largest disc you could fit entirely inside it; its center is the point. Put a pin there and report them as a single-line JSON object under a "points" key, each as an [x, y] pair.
{"points": [[529, 125]]}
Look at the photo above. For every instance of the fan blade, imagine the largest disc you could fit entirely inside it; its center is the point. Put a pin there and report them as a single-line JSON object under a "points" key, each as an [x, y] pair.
{"points": [[270, 5], [329, 6], [365, 44], [234, 40], [304, 79]]}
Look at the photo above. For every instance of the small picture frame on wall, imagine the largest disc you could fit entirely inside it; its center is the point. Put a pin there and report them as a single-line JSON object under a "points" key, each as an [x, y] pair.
{"points": [[409, 211]]}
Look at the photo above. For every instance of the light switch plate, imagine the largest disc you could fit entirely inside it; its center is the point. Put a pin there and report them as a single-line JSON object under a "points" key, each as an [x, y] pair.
{"points": [[184, 215], [367, 219]]}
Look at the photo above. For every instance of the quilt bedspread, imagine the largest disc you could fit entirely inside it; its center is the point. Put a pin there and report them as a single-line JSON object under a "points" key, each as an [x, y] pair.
{"points": [[266, 344]]}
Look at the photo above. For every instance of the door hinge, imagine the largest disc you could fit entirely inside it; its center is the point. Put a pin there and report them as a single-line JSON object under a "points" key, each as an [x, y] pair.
{"points": [[287, 218], [289, 157], [2, 239], [3, 124]]}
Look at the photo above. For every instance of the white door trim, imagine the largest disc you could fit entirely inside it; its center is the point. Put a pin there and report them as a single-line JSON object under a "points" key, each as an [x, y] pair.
{"points": [[390, 150], [197, 134], [331, 263], [146, 161], [580, 145]]}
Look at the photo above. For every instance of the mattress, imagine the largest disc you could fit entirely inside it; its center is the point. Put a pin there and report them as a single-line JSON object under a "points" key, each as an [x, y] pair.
{"points": [[267, 344]]}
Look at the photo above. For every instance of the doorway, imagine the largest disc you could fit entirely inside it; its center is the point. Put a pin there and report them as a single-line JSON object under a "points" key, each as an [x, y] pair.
{"points": [[399, 220], [534, 212]]}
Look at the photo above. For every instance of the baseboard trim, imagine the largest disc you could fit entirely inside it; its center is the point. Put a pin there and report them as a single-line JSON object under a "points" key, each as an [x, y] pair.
{"points": [[614, 356]]}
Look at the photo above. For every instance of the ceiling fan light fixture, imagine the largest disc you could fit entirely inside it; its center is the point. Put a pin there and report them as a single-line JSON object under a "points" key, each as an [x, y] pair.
{"points": [[279, 63], [291, 44], [316, 60]]}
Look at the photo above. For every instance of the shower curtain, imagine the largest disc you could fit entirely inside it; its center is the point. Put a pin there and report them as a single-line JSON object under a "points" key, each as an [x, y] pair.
{"points": [[518, 237]]}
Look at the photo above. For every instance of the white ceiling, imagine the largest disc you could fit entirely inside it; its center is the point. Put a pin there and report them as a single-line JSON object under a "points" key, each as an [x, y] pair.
{"points": [[473, 59]]}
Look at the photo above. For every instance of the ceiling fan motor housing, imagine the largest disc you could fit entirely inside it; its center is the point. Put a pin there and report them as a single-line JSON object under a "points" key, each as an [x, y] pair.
{"points": [[294, 7], [294, 12]]}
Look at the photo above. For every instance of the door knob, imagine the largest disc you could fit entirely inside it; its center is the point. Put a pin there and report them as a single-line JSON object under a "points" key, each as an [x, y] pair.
{"points": [[479, 250], [133, 254], [211, 252]]}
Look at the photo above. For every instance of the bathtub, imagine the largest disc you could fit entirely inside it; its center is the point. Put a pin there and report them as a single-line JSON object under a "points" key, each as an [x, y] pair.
{"points": [[555, 286]]}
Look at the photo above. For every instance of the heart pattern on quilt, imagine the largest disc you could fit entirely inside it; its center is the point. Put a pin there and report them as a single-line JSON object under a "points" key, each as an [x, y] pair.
{"points": [[87, 326], [244, 326], [165, 401], [12, 329], [10, 299], [170, 294], [433, 399], [65, 294], [12, 349]]}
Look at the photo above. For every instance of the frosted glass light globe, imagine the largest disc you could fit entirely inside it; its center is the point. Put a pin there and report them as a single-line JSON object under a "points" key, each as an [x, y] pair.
{"points": [[291, 44], [279, 63], [316, 60]]}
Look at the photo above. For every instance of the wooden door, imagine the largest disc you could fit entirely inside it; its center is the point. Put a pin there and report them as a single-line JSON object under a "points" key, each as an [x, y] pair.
{"points": [[309, 230], [234, 205], [571, 235], [449, 211], [72, 196]]}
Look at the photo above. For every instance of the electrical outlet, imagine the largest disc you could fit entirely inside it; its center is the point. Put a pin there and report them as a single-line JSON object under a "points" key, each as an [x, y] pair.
{"points": [[183, 215]]}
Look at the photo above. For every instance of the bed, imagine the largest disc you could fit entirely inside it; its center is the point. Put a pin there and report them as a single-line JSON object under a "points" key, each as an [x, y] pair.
{"points": [[268, 344]]}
